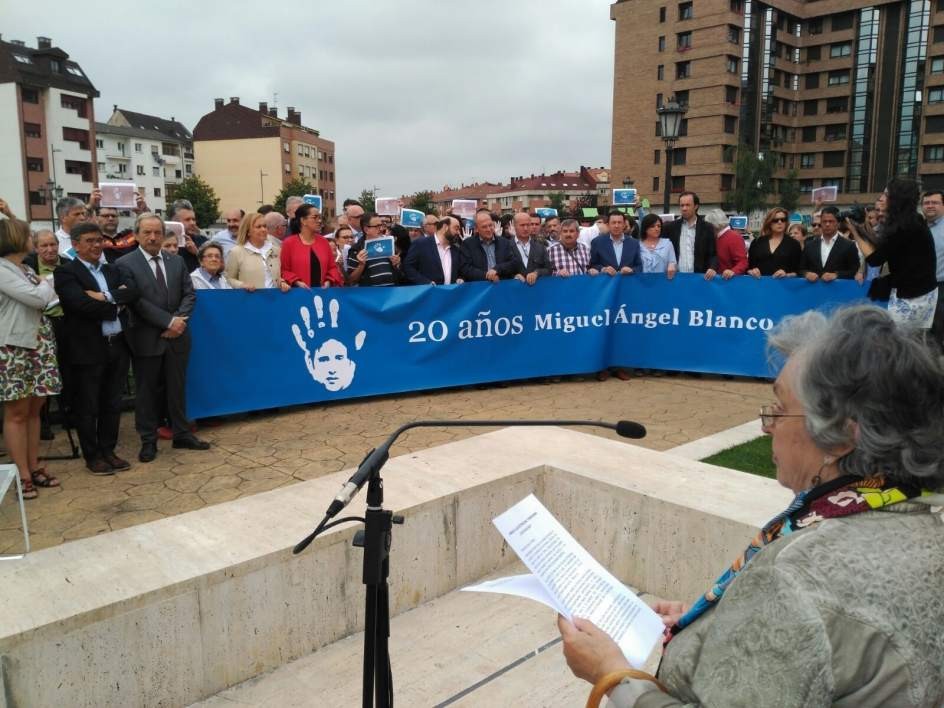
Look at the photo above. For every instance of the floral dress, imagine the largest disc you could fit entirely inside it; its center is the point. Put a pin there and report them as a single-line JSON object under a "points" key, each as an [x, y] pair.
{"points": [[30, 372]]}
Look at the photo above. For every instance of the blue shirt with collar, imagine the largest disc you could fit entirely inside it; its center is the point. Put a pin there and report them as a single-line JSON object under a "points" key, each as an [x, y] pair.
{"points": [[109, 327]]}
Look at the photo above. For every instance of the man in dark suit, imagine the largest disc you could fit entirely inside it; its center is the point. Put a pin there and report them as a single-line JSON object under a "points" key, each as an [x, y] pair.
{"points": [[529, 253], [93, 295], [615, 252], [484, 257], [434, 260], [158, 335], [693, 239], [829, 256]]}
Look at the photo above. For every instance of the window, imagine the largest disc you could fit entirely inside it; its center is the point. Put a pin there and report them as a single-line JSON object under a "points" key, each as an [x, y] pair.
{"points": [[660, 72], [99, 143], [730, 124], [934, 124], [734, 34], [285, 146], [683, 41], [138, 147], [154, 150], [811, 81], [937, 65], [731, 95], [934, 153], [679, 156], [156, 171], [728, 153], [178, 174], [141, 170], [74, 70], [843, 49], [655, 184], [686, 11], [834, 158], [29, 95], [77, 136], [23, 59], [843, 21], [189, 168], [836, 132], [37, 198], [833, 182], [683, 127], [727, 183], [837, 104], [288, 168], [936, 94], [731, 64], [661, 44], [809, 134], [737, 6], [681, 97], [815, 26], [75, 103], [838, 78], [812, 54], [122, 168], [658, 100], [157, 191], [658, 129], [300, 151], [811, 107], [807, 160], [661, 14], [683, 69], [656, 157], [678, 184], [806, 186], [34, 164]]}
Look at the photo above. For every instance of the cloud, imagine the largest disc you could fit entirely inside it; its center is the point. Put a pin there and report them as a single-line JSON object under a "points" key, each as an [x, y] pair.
{"points": [[414, 93]]}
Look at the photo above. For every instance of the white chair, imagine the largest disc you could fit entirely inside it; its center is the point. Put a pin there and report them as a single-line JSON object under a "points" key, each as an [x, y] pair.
{"points": [[8, 475]]}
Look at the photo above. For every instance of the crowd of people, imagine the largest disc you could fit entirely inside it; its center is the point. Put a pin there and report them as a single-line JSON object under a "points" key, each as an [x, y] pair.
{"points": [[82, 304]]}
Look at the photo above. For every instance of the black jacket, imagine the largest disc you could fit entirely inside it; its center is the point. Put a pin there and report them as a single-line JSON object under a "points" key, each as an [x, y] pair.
{"points": [[706, 253], [843, 258], [538, 262], [473, 265]]}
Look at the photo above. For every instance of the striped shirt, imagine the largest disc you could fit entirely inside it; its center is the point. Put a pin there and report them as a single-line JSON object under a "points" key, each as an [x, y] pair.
{"points": [[378, 272]]}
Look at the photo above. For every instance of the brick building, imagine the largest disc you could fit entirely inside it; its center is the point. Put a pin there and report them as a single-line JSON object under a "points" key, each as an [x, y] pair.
{"points": [[478, 191], [248, 155], [847, 93], [47, 128], [579, 189]]}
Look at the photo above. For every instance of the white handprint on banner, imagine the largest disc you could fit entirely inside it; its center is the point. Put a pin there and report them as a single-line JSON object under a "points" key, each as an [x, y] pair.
{"points": [[328, 363]]}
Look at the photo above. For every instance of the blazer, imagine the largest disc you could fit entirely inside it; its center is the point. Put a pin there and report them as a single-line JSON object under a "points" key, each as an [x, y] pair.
{"points": [[244, 268], [296, 261], [538, 262], [84, 315], [150, 313], [843, 258], [473, 265], [705, 247], [21, 306], [422, 265], [602, 253]]}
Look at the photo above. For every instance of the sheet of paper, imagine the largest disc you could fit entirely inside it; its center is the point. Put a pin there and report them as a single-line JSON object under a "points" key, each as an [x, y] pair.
{"points": [[577, 582], [624, 196], [412, 218], [382, 247], [825, 194], [526, 586], [118, 195], [313, 199], [666, 218], [387, 206], [464, 207]]}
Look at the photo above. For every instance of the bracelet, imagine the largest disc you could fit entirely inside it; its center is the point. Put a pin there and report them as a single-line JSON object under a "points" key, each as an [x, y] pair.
{"points": [[610, 680]]}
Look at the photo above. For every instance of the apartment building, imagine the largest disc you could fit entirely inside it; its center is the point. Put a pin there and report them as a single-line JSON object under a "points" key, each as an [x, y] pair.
{"points": [[579, 188], [848, 93], [248, 155], [47, 128]]}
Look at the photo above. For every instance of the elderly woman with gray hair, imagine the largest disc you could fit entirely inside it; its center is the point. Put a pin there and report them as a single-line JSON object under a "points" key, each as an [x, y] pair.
{"points": [[838, 600], [732, 253]]}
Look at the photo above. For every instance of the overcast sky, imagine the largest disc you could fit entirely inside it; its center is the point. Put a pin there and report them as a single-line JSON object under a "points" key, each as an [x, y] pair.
{"points": [[415, 94]]}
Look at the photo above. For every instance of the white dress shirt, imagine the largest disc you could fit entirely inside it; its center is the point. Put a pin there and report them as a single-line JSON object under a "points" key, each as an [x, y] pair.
{"points": [[687, 246]]}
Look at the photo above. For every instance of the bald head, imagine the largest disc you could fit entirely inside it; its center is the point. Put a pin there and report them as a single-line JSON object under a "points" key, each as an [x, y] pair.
{"points": [[354, 213], [233, 217], [522, 223], [275, 224]]}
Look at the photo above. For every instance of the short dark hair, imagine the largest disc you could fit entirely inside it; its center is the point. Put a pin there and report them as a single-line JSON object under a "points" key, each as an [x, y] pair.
{"points": [[84, 227], [692, 195], [647, 221], [615, 213], [367, 216], [829, 210], [351, 202], [265, 209], [931, 193]]}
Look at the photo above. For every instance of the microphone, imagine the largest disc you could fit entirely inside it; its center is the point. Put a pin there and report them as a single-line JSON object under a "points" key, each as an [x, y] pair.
{"points": [[376, 458]]}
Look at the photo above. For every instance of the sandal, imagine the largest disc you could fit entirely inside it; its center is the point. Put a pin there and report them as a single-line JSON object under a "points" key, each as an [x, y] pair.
{"points": [[29, 491], [42, 479]]}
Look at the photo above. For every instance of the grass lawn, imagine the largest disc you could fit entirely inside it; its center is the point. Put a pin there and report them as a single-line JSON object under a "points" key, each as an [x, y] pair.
{"points": [[752, 456]]}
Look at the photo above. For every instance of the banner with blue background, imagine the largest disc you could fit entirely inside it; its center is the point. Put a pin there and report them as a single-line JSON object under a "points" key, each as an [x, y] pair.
{"points": [[267, 349]]}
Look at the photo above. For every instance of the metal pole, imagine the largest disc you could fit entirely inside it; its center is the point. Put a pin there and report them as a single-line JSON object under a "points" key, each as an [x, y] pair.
{"points": [[668, 177]]}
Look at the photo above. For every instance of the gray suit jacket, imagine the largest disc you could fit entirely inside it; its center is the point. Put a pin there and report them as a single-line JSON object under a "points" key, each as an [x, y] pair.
{"points": [[538, 261], [150, 315]]}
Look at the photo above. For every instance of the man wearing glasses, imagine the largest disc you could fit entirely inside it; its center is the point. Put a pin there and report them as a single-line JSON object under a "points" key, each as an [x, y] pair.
{"points": [[364, 271]]}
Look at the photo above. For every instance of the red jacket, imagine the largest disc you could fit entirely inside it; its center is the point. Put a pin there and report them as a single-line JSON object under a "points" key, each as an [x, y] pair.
{"points": [[732, 254], [296, 261]]}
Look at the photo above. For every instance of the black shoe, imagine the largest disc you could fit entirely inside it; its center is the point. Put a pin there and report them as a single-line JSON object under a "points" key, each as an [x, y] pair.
{"points": [[98, 466], [116, 462], [148, 452], [190, 442]]}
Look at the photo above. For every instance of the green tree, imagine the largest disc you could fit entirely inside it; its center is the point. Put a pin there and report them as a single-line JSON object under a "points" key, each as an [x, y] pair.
{"points": [[423, 201], [367, 199], [557, 200], [753, 180], [298, 187], [790, 191], [206, 205]]}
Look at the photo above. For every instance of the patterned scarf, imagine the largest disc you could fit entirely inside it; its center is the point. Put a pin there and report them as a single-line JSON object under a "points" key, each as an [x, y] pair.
{"points": [[844, 496]]}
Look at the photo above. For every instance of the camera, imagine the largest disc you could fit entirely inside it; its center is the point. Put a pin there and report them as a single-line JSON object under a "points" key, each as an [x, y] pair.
{"points": [[854, 214]]}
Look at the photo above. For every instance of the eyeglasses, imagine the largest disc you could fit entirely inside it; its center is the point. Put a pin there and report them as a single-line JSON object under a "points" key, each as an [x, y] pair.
{"points": [[769, 415], [815, 224], [373, 226], [778, 220]]}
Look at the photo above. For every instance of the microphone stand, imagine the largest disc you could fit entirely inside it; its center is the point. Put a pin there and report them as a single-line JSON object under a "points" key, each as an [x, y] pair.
{"points": [[377, 536]]}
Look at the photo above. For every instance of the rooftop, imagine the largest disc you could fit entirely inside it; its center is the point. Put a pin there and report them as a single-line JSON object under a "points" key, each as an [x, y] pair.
{"points": [[172, 128], [43, 66]]}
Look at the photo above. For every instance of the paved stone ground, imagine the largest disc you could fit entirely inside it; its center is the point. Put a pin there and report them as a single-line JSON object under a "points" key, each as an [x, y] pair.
{"points": [[264, 451]]}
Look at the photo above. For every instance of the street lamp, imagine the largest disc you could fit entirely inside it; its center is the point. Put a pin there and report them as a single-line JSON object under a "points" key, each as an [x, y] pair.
{"points": [[53, 195], [670, 121]]}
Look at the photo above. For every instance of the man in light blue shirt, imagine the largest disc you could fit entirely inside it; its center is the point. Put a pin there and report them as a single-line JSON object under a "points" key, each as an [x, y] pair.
{"points": [[227, 237], [932, 205]]}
